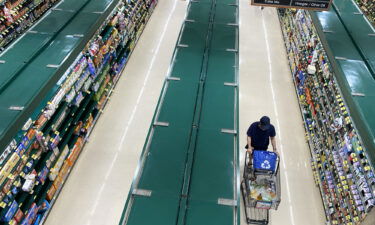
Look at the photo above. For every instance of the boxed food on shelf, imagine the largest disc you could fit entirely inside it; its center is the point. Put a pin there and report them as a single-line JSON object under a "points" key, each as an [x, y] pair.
{"points": [[341, 167], [30, 216], [7, 186], [19, 216], [58, 182], [75, 151], [51, 193], [10, 212], [64, 170], [30, 180], [43, 174], [8, 167]]}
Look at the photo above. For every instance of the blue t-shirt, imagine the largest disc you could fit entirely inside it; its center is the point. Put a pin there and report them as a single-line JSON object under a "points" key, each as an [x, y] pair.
{"points": [[260, 139]]}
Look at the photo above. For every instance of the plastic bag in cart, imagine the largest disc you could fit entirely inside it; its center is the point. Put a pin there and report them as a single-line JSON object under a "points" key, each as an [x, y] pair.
{"points": [[264, 160]]}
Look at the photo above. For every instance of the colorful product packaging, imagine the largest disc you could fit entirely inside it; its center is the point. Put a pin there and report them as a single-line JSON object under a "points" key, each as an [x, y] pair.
{"points": [[29, 219], [51, 193], [10, 212], [43, 175], [64, 170]]}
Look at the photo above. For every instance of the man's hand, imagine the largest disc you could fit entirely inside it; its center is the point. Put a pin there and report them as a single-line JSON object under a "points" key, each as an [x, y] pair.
{"points": [[250, 150]]}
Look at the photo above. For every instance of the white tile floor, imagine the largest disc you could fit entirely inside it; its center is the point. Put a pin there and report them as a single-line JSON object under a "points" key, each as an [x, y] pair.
{"points": [[96, 190]]}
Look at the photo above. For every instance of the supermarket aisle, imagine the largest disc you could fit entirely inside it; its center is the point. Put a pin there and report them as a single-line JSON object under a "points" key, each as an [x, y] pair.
{"points": [[97, 188], [266, 88]]}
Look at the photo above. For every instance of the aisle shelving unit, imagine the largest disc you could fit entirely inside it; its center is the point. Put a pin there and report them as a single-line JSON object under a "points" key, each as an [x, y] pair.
{"points": [[35, 165], [18, 15], [341, 165], [190, 189], [368, 8]]}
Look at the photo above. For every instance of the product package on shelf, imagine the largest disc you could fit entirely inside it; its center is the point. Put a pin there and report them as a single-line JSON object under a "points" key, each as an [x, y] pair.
{"points": [[35, 165], [368, 8], [340, 164], [18, 15]]}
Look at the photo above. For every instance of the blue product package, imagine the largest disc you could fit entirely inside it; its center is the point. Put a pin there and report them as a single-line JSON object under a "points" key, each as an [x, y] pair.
{"points": [[38, 219], [264, 160], [20, 148], [10, 213]]}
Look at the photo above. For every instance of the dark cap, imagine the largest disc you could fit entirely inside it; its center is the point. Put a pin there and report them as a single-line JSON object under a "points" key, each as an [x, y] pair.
{"points": [[265, 123]]}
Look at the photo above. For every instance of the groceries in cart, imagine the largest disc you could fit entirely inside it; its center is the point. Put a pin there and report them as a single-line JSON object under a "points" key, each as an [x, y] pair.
{"points": [[265, 192]]}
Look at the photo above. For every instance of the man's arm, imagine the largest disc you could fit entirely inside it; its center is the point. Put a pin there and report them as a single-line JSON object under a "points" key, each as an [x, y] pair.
{"points": [[273, 142], [250, 148]]}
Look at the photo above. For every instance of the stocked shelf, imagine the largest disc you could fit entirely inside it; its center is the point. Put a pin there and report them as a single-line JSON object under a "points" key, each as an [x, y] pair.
{"points": [[17, 16], [35, 165], [368, 8], [340, 162]]}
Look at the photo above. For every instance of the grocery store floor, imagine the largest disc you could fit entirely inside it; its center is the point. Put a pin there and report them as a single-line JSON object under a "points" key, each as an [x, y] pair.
{"points": [[96, 190]]}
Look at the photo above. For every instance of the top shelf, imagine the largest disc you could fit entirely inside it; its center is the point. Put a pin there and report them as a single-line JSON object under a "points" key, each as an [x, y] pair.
{"points": [[52, 45]]}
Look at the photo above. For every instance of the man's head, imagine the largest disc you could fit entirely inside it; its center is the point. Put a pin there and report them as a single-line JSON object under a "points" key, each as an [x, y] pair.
{"points": [[264, 123]]}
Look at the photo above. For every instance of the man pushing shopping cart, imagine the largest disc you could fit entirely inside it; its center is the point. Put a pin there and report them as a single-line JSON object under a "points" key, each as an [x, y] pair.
{"points": [[259, 135], [260, 186]]}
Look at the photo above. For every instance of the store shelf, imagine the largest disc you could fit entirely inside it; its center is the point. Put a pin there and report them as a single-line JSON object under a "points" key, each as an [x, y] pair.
{"points": [[17, 16], [45, 61], [186, 122], [52, 139], [354, 77], [359, 29], [368, 9], [340, 157]]}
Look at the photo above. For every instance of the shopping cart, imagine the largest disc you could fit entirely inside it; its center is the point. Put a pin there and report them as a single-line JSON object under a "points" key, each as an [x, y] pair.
{"points": [[260, 186]]}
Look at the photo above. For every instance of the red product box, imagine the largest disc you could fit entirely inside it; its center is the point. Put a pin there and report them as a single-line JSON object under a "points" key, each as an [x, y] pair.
{"points": [[19, 216]]}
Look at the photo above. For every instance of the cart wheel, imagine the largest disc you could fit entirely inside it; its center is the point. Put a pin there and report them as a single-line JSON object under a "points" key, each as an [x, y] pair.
{"points": [[248, 221]]}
